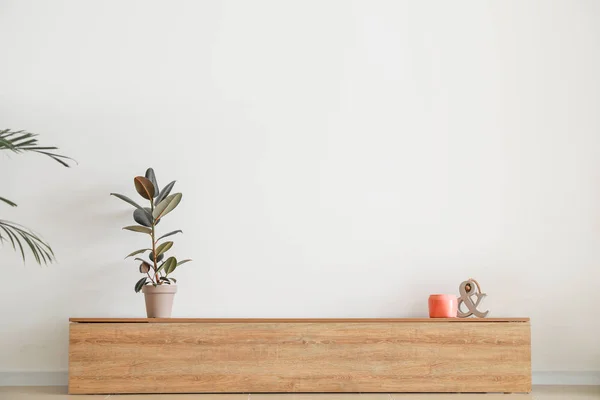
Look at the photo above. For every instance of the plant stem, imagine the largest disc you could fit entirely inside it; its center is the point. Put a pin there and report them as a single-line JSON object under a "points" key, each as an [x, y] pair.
{"points": [[150, 276], [154, 245]]}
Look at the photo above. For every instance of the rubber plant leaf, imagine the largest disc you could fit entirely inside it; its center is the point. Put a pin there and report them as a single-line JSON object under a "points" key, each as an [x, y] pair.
{"points": [[142, 217], [137, 228], [144, 267], [169, 234], [166, 206], [164, 247], [148, 211], [135, 253], [183, 262], [170, 265], [158, 259], [152, 177], [165, 192], [140, 284], [144, 187], [126, 199]]}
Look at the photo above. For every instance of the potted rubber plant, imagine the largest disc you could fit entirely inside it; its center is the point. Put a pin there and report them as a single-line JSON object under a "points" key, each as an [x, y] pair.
{"points": [[157, 284]]}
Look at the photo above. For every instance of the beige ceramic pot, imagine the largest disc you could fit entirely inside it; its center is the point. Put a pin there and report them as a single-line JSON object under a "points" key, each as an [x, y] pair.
{"points": [[159, 300]]}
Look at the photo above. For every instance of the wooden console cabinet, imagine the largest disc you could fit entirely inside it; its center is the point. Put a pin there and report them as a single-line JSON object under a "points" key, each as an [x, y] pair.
{"points": [[139, 355]]}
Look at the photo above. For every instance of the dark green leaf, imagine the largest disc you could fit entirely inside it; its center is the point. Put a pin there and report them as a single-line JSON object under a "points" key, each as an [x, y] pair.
{"points": [[163, 248], [136, 252], [169, 234], [34, 251], [166, 206], [166, 280], [40, 250], [170, 265], [137, 228], [126, 199], [164, 192], [152, 178], [17, 141], [142, 217], [140, 284], [174, 280], [21, 141], [183, 262], [14, 237], [7, 201], [158, 259], [32, 142], [9, 236], [56, 157], [144, 187]]}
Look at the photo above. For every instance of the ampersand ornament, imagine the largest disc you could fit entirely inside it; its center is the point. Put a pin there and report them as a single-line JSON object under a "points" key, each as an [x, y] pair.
{"points": [[467, 292]]}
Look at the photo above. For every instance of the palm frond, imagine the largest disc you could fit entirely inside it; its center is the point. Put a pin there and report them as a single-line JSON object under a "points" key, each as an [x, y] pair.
{"points": [[7, 201], [21, 237], [22, 141]]}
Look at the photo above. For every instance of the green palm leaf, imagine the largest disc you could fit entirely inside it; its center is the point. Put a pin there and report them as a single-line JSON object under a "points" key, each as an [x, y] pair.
{"points": [[7, 201], [19, 236], [22, 141], [22, 237]]}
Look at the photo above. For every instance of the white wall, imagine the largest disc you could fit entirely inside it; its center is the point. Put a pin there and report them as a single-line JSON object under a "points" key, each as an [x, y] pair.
{"points": [[337, 159]]}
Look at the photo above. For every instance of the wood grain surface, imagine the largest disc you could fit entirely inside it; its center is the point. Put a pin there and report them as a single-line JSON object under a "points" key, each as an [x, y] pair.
{"points": [[295, 320], [373, 356]]}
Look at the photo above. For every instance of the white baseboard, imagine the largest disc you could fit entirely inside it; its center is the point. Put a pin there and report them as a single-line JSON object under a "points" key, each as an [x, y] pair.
{"points": [[59, 378]]}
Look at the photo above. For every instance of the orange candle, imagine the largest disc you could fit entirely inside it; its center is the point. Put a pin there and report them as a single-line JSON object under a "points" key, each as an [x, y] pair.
{"points": [[443, 306]]}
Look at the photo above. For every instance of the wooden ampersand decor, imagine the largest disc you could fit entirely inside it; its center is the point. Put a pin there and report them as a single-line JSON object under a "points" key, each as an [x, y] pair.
{"points": [[467, 292]]}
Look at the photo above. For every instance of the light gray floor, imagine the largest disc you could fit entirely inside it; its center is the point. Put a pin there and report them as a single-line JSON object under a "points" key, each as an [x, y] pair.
{"points": [[539, 393]]}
